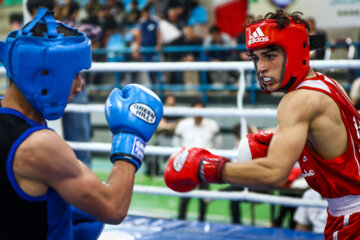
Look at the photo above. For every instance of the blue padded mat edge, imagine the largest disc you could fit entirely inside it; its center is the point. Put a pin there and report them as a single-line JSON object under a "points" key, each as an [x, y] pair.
{"points": [[147, 228]]}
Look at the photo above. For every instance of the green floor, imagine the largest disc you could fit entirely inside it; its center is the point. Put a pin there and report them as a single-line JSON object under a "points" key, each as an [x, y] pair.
{"points": [[163, 206]]}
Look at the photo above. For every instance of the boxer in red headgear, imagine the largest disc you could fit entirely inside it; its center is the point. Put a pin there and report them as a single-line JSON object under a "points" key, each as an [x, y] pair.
{"points": [[317, 126], [293, 40]]}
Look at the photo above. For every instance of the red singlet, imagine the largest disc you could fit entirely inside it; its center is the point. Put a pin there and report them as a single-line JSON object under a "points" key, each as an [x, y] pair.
{"points": [[338, 179]]}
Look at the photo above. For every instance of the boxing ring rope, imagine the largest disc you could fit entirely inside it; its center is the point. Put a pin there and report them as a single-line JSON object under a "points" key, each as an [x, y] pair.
{"points": [[205, 66], [206, 112], [201, 66], [185, 111], [242, 195], [149, 150]]}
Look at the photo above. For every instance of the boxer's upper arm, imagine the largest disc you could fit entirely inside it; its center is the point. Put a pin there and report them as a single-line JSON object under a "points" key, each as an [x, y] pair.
{"points": [[294, 116], [49, 160], [295, 113]]}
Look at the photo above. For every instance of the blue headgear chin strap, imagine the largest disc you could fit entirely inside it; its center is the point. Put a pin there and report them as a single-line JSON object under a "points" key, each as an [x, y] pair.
{"points": [[43, 68]]}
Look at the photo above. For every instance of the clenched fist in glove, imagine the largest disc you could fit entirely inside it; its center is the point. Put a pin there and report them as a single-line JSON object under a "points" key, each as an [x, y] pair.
{"points": [[191, 166], [132, 115], [254, 145]]}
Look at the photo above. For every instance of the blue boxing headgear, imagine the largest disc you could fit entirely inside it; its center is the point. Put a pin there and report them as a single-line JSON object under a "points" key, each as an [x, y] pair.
{"points": [[44, 67]]}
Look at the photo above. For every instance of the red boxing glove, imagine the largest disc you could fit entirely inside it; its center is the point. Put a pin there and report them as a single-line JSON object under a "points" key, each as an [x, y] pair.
{"points": [[191, 166], [254, 145]]}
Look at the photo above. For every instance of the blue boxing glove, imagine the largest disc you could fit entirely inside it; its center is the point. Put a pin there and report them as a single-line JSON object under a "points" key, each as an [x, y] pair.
{"points": [[132, 115]]}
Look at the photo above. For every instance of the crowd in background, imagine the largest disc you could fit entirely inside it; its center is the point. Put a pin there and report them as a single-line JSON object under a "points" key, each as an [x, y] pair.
{"points": [[138, 30]]}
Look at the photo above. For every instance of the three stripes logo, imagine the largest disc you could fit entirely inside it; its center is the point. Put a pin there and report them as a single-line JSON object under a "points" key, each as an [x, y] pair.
{"points": [[257, 36]]}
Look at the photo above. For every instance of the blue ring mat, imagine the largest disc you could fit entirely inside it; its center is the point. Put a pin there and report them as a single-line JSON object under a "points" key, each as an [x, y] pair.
{"points": [[147, 228]]}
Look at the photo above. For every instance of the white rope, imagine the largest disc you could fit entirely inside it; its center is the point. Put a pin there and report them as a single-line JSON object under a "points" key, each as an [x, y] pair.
{"points": [[205, 66], [149, 150], [240, 105], [202, 66], [168, 66], [241, 195], [186, 111]]}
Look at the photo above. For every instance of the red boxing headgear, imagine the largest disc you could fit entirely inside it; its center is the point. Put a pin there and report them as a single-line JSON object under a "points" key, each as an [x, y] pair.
{"points": [[293, 39]]}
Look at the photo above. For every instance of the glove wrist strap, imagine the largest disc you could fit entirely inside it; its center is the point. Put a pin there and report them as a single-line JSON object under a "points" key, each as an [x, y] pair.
{"points": [[128, 147], [210, 170]]}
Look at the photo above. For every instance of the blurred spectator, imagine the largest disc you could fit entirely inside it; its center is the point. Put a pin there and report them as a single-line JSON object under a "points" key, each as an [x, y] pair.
{"points": [[197, 132], [318, 53], [94, 32], [235, 208], [33, 5], [204, 133], [16, 21], [181, 9], [77, 126], [105, 20], [133, 16], [242, 55], [197, 14], [311, 219], [68, 12], [164, 135], [173, 23], [107, 23], [148, 35], [190, 38], [198, 18], [115, 48], [173, 15], [117, 11], [216, 38], [159, 7], [241, 39], [91, 8], [173, 18], [355, 93], [165, 130]]}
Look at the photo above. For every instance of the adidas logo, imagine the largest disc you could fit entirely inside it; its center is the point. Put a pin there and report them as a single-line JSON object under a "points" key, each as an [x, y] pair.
{"points": [[257, 36]]}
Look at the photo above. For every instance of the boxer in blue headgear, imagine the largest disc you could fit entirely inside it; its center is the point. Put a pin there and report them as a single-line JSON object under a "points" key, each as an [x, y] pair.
{"points": [[41, 180], [44, 67]]}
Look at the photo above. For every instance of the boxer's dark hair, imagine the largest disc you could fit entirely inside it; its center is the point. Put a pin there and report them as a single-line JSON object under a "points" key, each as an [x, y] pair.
{"points": [[283, 18]]}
